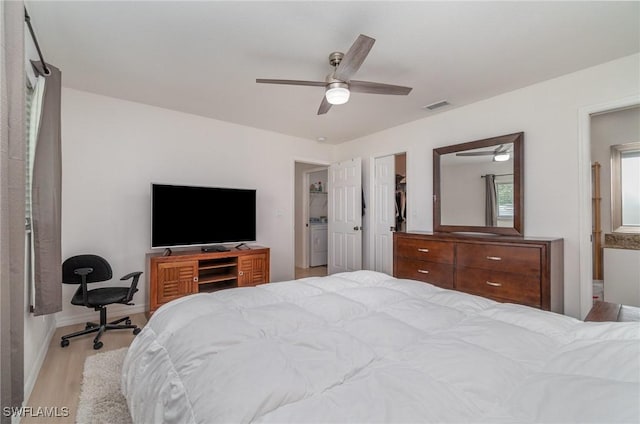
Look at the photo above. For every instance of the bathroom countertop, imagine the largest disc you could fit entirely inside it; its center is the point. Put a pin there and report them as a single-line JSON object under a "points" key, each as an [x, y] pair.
{"points": [[622, 241]]}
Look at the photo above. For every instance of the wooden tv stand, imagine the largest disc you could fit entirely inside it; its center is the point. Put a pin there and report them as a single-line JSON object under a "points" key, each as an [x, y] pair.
{"points": [[187, 272]]}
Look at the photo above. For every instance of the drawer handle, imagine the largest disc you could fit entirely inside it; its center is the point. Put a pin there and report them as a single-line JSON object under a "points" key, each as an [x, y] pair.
{"points": [[494, 258], [423, 271], [423, 250], [492, 284]]}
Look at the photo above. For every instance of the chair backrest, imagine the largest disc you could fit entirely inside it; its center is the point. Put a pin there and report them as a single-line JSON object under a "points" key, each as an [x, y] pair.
{"points": [[101, 269]]}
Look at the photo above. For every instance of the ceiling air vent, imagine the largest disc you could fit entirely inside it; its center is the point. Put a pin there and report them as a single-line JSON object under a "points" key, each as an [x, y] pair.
{"points": [[436, 105]]}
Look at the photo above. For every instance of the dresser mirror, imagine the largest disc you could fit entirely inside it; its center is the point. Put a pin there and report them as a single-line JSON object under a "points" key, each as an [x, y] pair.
{"points": [[478, 186]]}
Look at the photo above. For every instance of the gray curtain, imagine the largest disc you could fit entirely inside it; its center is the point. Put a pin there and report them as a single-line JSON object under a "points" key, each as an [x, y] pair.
{"points": [[12, 205], [491, 205], [46, 199]]}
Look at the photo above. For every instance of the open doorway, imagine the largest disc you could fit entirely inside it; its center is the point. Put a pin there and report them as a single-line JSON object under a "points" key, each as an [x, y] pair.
{"points": [[615, 156], [586, 218], [401, 191], [311, 211], [389, 207]]}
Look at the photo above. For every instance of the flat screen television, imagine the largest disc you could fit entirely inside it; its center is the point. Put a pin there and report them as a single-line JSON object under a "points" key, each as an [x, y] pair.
{"points": [[201, 216]]}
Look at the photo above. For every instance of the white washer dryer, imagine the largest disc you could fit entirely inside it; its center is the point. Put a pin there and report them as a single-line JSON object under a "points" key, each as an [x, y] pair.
{"points": [[318, 244]]}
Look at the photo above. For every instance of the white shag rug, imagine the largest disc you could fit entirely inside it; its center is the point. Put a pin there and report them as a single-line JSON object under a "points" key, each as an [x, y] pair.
{"points": [[101, 401]]}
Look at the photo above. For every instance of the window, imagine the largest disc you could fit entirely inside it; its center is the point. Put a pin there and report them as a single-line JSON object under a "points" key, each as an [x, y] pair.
{"points": [[625, 188], [504, 197]]}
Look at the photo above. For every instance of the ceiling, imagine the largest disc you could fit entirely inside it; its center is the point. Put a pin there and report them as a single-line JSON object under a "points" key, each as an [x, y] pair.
{"points": [[203, 57]]}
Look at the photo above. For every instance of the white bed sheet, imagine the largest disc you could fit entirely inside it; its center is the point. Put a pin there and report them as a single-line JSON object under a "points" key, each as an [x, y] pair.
{"points": [[364, 347]]}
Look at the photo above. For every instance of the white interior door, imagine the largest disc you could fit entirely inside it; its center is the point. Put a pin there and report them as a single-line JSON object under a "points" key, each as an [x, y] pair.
{"points": [[384, 213], [345, 216]]}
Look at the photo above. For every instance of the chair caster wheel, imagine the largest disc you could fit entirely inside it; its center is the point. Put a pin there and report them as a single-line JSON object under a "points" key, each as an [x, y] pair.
{"points": [[128, 322], [64, 343], [137, 330], [86, 327], [97, 345]]}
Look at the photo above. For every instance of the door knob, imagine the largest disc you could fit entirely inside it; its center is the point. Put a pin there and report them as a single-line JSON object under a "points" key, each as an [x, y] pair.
{"points": [[356, 228], [392, 228]]}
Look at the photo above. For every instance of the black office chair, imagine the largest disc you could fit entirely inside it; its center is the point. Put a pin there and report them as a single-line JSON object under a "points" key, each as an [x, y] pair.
{"points": [[84, 269]]}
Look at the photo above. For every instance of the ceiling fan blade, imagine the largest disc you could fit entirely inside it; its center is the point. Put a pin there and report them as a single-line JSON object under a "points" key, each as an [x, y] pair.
{"points": [[291, 82], [353, 59], [476, 154], [324, 106], [378, 88]]}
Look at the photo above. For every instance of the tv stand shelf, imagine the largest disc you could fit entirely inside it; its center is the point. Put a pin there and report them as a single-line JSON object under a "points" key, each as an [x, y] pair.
{"points": [[188, 272]]}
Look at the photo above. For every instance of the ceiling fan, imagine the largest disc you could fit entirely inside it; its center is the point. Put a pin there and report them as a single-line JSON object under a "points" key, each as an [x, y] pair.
{"points": [[500, 153], [339, 84]]}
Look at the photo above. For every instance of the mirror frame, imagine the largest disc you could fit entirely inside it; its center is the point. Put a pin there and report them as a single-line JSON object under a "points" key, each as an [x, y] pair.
{"points": [[518, 185]]}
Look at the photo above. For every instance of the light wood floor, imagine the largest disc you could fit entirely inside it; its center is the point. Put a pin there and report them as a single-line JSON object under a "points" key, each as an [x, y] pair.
{"points": [[58, 383], [316, 271]]}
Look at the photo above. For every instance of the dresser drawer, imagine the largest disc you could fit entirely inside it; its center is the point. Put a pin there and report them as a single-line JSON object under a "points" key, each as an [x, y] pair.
{"points": [[503, 286], [522, 260], [440, 275], [427, 250]]}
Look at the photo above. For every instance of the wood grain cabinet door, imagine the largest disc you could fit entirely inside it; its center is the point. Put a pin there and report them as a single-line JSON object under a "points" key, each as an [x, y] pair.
{"points": [[252, 270], [176, 279]]}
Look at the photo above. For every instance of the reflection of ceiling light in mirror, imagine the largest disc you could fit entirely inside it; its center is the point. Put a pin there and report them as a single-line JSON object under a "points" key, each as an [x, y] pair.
{"points": [[501, 157]]}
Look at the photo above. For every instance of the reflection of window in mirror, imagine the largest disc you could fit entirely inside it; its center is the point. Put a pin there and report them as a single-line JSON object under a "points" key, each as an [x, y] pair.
{"points": [[625, 188], [504, 198]]}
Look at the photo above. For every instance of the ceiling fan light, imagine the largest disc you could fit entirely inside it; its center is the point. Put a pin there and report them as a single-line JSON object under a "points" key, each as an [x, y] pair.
{"points": [[501, 157], [337, 93]]}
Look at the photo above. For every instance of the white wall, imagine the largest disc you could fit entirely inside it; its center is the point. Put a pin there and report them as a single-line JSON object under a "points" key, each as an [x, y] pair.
{"points": [[113, 149], [548, 114], [37, 334]]}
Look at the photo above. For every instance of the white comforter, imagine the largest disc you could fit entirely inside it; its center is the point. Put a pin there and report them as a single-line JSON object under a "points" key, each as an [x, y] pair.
{"points": [[363, 347]]}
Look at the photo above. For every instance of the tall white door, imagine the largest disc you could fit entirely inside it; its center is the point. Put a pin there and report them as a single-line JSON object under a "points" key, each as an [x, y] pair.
{"points": [[384, 213], [345, 216]]}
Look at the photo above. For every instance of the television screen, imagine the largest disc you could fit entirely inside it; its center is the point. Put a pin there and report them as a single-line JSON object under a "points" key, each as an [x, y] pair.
{"points": [[188, 215]]}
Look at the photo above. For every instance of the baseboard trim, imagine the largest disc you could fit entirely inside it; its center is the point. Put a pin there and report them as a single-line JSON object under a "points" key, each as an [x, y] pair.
{"points": [[112, 310], [31, 379]]}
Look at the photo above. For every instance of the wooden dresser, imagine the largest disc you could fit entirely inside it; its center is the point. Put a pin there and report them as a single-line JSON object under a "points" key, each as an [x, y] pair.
{"points": [[522, 270], [188, 272]]}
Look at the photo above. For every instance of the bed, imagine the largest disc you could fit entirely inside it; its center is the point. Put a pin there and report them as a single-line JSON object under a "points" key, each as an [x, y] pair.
{"points": [[365, 347]]}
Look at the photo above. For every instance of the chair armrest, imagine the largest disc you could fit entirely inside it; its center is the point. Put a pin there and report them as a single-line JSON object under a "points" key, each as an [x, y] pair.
{"points": [[134, 284], [131, 275]]}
